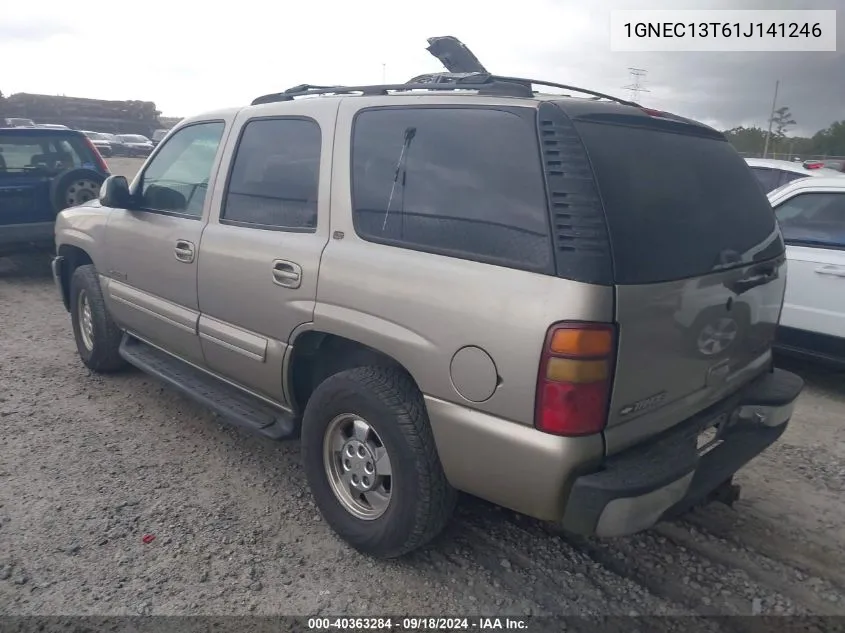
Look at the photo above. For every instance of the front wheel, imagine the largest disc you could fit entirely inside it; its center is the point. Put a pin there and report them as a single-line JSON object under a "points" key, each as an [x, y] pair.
{"points": [[371, 462], [97, 336]]}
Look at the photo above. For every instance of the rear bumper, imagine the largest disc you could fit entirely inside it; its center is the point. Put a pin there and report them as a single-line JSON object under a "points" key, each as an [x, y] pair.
{"points": [[670, 473]]}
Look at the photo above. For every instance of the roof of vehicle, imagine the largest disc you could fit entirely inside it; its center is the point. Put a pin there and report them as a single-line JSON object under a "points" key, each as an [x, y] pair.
{"points": [[787, 165], [37, 131], [826, 181]]}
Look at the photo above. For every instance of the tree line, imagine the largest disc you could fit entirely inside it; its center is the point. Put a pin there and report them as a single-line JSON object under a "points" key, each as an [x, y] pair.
{"points": [[824, 143]]}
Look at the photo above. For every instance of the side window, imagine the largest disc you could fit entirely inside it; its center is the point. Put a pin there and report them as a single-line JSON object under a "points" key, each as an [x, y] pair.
{"points": [[176, 180], [275, 175], [813, 219], [455, 181], [768, 178]]}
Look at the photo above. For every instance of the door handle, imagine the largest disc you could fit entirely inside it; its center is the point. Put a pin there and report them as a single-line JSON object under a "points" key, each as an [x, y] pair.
{"points": [[836, 271], [184, 251], [287, 274]]}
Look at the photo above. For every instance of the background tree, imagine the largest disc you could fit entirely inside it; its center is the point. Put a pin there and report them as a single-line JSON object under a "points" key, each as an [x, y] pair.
{"points": [[782, 121]]}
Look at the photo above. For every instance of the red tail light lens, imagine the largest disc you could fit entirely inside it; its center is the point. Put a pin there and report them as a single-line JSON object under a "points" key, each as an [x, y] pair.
{"points": [[573, 385], [101, 163]]}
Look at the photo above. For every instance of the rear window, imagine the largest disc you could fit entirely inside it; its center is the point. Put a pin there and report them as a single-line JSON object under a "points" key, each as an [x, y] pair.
{"points": [[462, 182], [677, 205], [25, 152]]}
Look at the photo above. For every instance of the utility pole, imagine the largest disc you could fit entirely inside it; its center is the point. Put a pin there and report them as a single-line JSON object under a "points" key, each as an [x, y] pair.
{"points": [[771, 119], [636, 85], [384, 74]]}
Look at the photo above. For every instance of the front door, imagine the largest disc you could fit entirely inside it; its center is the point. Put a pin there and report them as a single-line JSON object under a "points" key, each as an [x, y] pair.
{"points": [[153, 248], [813, 225], [261, 254]]}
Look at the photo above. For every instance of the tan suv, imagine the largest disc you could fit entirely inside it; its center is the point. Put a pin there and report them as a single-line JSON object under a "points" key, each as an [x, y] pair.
{"points": [[562, 305]]}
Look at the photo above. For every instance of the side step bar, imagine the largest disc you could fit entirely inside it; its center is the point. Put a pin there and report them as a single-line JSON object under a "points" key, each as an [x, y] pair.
{"points": [[234, 406]]}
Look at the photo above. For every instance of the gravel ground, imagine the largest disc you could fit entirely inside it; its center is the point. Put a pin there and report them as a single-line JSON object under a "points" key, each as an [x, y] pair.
{"points": [[91, 464]]}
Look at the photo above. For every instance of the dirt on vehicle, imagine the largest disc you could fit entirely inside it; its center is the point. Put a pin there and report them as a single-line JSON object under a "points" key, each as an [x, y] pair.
{"points": [[119, 496]]}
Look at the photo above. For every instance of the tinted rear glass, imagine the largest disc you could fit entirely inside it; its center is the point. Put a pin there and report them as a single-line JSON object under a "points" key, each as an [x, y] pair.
{"points": [[677, 205]]}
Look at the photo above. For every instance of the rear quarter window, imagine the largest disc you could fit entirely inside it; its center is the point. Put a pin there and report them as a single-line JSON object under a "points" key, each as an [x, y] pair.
{"points": [[462, 182]]}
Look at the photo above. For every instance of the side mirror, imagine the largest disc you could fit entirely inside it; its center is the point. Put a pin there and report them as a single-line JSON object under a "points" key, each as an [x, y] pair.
{"points": [[114, 192]]}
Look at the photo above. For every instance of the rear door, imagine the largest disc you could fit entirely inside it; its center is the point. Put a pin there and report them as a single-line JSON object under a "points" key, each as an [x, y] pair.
{"points": [[813, 225], [699, 269], [24, 183], [260, 256]]}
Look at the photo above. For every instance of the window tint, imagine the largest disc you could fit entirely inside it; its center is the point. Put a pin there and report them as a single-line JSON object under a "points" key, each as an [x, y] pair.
{"points": [[768, 178], [677, 205], [275, 175], [461, 182], [177, 178], [814, 218]]}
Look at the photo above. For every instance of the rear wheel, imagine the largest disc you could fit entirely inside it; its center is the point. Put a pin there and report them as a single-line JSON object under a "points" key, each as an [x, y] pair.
{"points": [[97, 336], [371, 462], [75, 187]]}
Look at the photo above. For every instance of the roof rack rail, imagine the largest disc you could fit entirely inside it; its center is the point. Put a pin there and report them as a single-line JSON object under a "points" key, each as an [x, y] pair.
{"points": [[482, 83], [465, 73], [483, 87]]}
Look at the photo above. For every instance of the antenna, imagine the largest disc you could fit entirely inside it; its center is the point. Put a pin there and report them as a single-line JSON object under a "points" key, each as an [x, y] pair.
{"points": [[636, 85]]}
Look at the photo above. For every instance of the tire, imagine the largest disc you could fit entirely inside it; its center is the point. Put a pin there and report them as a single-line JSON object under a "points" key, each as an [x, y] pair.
{"points": [[103, 355], [75, 186], [421, 500]]}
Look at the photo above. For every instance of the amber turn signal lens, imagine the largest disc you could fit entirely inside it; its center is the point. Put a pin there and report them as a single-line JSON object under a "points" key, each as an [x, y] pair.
{"points": [[582, 342], [576, 371]]}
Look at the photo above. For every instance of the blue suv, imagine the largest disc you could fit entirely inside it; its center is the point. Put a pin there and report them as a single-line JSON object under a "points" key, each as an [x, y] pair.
{"points": [[43, 171]]}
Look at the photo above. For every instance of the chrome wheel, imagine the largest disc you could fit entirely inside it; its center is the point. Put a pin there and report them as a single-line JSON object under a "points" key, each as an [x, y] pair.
{"points": [[716, 337], [86, 321], [357, 466], [81, 191]]}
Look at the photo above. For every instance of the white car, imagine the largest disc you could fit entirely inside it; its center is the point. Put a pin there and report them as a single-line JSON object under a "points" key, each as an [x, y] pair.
{"points": [[811, 214], [772, 173]]}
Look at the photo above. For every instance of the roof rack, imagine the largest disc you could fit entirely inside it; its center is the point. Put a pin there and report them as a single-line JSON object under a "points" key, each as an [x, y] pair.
{"points": [[440, 82], [465, 73]]}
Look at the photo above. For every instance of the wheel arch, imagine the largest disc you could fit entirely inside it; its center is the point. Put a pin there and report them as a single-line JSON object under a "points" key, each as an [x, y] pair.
{"points": [[72, 257], [314, 355]]}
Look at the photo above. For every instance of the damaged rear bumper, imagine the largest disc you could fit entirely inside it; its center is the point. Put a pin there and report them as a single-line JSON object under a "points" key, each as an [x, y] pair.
{"points": [[671, 473]]}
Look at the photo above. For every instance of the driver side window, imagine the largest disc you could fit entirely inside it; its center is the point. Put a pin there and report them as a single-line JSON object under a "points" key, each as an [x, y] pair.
{"points": [[176, 180]]}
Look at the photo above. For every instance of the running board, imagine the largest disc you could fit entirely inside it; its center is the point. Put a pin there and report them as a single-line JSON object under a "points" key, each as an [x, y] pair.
{"points": [[230, 403]]}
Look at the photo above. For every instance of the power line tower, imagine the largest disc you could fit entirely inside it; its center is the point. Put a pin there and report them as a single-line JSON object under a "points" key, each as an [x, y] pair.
{"points": [[636, 85]]}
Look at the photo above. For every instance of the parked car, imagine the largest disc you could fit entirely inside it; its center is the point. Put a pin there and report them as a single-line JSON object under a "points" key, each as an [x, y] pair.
{"points": [[136, 144], [773, 173], [811, 214], [41, 172], [53, 126], [836, 164], [100, 142], [370, 271], [118, 145], [18, 122], [158, 135]]}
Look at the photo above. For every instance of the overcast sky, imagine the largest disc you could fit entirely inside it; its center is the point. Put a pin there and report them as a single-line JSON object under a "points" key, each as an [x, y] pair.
{"points": [[190, 57]]}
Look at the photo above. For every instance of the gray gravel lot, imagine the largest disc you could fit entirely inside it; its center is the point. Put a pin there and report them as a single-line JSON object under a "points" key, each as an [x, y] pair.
{"points": [[91, 464]]}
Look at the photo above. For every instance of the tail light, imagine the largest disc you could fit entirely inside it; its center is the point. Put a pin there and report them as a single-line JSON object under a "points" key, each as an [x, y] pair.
{"points": [[98, 158], [573, 385]]}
